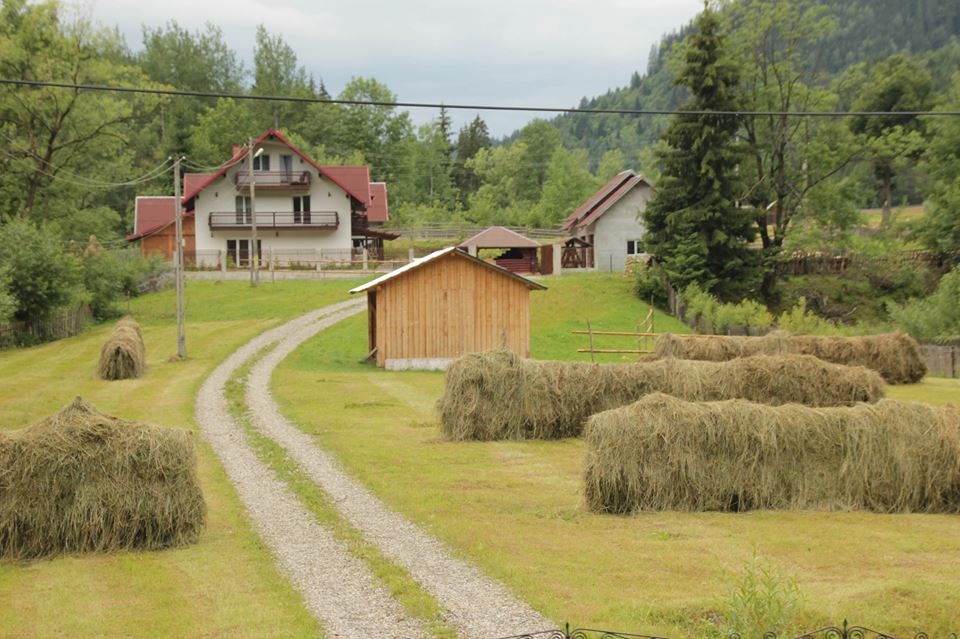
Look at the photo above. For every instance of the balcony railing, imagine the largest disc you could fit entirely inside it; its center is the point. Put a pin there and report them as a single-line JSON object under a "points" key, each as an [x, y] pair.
{"points": [[285, 220], [273, 179]]}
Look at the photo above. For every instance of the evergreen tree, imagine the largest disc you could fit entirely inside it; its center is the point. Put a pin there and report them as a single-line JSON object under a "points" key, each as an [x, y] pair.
{"points": [[471, 139], [695, 228]]}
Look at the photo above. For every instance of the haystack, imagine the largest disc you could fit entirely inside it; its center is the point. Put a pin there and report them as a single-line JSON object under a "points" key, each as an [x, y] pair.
{"points": [[123, 356], [664, 453], [497, 395], [896, 356], [85, 481]]}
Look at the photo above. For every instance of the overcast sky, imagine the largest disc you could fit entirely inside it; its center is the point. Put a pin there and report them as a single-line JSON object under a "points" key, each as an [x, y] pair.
{"points": [[512, 52]]}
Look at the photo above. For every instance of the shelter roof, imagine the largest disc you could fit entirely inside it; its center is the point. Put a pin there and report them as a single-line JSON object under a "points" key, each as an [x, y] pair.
{"points": [[498, 237], [450, 250]]}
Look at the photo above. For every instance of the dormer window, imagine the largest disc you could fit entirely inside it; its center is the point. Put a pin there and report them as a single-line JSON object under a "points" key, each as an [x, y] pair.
{"points": [[261, 162]]}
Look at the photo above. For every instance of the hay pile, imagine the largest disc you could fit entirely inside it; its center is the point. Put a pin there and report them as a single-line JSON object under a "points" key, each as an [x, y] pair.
{"points": [[497, 395], [123, 356], [663, 453], [896, 356], [85, 481]]}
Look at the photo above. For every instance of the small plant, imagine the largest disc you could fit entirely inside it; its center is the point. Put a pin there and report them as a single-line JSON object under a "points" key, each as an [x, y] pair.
{"points": [[763, 600], [799, 319]]}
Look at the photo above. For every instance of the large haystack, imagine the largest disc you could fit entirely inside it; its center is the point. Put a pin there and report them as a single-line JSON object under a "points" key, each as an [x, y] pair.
{"points": [[497, 395], [896, 356], [123, 355], [663, 453], [85, 481]]}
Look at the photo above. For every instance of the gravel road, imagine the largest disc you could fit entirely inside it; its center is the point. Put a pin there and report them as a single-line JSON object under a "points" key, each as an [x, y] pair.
{"points": [[477, 606], [337, 587]]}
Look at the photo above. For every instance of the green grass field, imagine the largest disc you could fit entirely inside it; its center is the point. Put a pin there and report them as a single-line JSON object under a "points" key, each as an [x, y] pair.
{"points": [[514, 508], [226, 585]]}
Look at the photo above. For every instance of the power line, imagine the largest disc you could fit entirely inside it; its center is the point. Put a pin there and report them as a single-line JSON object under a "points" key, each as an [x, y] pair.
{"points": [[467, 107]]}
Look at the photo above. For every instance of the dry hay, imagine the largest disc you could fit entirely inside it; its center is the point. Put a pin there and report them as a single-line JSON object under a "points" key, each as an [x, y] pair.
{"points": [[85, 481], [896, 356], [123, 355], [498, 395], [663, 453]]}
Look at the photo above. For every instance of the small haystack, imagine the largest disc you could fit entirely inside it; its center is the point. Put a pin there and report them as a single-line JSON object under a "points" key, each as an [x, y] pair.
{"points": [[896, 356], [123, 356], [85, 481], [663, 453], [497, 395]]}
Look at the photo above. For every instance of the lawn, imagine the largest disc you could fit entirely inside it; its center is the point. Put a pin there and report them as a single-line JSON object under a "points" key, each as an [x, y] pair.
{"points": [[226, 585], [515, 509]]}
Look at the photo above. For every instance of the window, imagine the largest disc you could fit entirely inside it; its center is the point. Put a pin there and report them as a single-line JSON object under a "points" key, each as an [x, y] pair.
{"points": [[301, 209], [261, 163], [242, 207], [635, 247], [238, 251]]}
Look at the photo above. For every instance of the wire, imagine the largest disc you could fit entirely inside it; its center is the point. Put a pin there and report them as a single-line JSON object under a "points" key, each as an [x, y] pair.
{"points": [[469, 107]]}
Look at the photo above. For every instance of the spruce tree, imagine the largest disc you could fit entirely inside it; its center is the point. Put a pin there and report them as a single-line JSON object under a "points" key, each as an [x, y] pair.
{"points": [[695, 228]]}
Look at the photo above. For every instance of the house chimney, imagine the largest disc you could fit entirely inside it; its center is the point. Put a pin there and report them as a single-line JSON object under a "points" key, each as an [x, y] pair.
{"points": [[236, 149]]}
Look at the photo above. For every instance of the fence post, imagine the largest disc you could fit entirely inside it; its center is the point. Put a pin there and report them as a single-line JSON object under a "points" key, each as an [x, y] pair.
{"points": [[273, 275], [222, 258], [411, 254], [366, 256], [558, 259]]}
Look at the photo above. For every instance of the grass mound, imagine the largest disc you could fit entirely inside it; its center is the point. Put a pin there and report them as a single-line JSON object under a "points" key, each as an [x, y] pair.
{"points": [[81, 480], [896, 356], [663, 453], [498, 395], [123, 355]]}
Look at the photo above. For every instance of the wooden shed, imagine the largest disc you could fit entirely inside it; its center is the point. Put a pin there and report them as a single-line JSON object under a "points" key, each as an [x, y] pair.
{"points": [[445, 305]]}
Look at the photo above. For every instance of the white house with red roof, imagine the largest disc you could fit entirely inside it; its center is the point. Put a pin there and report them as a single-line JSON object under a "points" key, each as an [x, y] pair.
{"points": [[606, 231], [304, 212]]}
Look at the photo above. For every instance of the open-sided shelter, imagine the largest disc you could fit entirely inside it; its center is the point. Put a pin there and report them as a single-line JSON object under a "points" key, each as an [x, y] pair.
{"points": [[519, 252], [445, 305]]}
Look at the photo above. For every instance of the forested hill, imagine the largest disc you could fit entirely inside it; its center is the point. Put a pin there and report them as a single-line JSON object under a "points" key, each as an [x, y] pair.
{"points": [[862, 32]]}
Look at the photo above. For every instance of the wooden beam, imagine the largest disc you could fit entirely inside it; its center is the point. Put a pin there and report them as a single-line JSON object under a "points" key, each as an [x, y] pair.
{"points": [[611, 350]]}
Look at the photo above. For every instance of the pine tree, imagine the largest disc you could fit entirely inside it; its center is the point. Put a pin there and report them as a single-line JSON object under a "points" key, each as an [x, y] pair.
{"points": [[695, 229], [471, 139]]}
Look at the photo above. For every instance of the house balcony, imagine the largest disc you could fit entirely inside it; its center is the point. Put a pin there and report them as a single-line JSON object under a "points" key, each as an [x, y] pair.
{"points": [[274, 180], [275, 220]]}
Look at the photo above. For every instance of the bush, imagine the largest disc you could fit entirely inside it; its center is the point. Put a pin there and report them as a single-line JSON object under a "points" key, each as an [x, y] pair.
{"points": [[648, 283], [8, 304], [936, 318], [43, 276], [720, 316], [799, 319], [764, 600]]}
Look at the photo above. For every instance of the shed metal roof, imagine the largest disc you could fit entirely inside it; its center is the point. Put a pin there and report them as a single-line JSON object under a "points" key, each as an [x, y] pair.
{"points": [[450, 250]]}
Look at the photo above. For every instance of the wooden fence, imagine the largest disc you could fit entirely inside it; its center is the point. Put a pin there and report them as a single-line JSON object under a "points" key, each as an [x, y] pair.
{"points": [[942, 361], [59, 326], [833, 264]]}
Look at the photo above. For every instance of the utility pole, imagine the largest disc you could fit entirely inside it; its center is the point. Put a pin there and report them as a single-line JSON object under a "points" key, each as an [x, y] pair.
{"points": [[254, 254], [181, 318]]}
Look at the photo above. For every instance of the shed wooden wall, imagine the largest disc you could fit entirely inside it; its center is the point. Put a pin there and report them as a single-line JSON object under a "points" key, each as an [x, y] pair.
{"points": [[449, 307], [164, 241]]}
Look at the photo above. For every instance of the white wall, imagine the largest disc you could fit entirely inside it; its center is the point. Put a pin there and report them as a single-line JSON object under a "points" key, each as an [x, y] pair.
{"points": [[618, 225], [324, 196]]}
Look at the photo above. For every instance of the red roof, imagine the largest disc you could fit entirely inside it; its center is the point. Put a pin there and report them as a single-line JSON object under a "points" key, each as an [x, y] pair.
{"points": [[150, 212], [378, 210], [192, 180], [359, 192], [499, 237], [601, 201], [354, 180]]}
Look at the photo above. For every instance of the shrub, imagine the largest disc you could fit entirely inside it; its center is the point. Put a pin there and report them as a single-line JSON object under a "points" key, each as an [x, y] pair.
{"points": [[664, 453], [8, 304], [648, 283], [936, 318], [799, 319], [498, 395], [43, 277]]}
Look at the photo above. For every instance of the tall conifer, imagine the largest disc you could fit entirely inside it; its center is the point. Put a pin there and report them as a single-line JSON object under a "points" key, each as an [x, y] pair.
{"points": [[695, 228]]}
